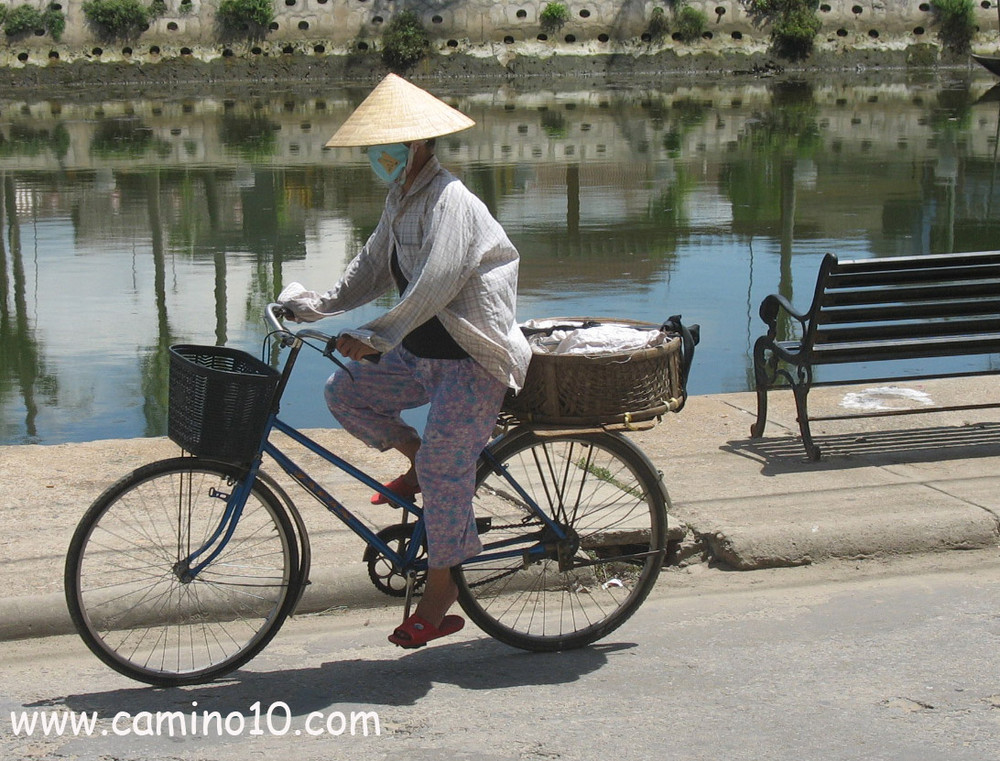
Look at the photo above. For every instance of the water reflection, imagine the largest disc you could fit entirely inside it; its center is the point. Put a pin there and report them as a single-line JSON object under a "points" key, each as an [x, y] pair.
{"points": [[128, 226], [22, 371]]}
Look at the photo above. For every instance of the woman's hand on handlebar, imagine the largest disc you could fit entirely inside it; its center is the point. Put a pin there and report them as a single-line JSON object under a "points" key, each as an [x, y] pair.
{"points": [[356, 349], [283, 313]]}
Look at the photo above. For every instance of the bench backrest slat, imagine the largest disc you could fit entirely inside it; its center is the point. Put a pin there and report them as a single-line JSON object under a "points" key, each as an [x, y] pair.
{"points": [[916, 276], [897, 263], [903, 330], [890, 305], [944, 347]]}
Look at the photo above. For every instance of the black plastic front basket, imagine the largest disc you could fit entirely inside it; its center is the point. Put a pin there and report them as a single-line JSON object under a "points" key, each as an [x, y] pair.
{"points": [[220, 399]]}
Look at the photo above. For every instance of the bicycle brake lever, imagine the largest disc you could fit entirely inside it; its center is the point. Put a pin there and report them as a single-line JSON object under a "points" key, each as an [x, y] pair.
{"points": [[328, 352]]}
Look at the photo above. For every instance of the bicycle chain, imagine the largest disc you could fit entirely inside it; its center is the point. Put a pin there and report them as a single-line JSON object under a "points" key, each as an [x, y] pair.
{"points": [[515, 525]]}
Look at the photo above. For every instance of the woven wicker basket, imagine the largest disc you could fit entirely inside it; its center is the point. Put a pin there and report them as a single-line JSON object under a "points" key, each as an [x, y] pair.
{"points": [[220, 399], [604, 390]]}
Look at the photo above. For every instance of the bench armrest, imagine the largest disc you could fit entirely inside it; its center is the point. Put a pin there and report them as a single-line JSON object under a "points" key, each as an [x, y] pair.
{"points": [[772, 306]]}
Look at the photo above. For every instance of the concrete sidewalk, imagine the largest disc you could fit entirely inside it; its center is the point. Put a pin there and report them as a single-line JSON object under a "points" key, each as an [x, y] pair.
{"points": [[885, 486]]}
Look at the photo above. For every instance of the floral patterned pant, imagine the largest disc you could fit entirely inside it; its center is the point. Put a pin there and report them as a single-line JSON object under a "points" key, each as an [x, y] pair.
{"points": [[464, 401]]}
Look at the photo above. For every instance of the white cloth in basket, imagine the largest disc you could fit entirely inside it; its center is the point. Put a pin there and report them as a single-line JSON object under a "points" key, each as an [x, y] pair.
{"points": [[606, 338]]}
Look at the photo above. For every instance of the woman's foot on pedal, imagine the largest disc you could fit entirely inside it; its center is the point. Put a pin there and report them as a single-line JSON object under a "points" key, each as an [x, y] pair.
{"points": [[401, 486], [416, 631]]}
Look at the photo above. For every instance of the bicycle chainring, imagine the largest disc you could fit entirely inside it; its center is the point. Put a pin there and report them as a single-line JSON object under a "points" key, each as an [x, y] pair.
{"points": [[386, 578]]}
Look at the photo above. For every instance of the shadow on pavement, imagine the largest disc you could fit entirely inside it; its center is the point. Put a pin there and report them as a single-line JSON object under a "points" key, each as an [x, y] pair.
{"points": [[401, 680], [871, 448]]}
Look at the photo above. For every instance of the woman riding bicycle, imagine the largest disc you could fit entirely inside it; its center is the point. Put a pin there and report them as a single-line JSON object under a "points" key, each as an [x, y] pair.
{"points": [[451, 341]]}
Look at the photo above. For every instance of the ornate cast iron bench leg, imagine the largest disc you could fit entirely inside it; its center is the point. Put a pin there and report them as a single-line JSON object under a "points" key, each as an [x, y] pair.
{"points": [[800, 389], [764, 373]]}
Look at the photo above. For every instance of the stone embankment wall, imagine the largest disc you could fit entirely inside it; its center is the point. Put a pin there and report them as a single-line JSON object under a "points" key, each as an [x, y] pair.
{"points": [[473, 27]]}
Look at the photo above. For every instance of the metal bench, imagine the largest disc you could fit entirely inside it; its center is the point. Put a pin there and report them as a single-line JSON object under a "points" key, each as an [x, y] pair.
{"points": [[874, 310]]}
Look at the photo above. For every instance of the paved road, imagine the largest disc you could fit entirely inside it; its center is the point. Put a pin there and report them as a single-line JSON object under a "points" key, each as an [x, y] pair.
{"points": [[876, 660]]}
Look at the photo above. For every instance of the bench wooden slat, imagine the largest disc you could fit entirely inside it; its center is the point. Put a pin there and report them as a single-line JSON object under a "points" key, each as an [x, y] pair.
{"points": [[850, 278], [910, 262], [901, 331], [839, 352], [873, 351], [936, 292], [933, 310]]}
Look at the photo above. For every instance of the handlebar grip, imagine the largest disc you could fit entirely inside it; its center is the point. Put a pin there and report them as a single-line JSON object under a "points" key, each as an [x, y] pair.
{"points": [[275, 313], [331, 347]]}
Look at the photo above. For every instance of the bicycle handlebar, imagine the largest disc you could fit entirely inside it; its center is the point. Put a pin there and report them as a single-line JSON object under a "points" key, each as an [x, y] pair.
{"points": [[275, 313]]}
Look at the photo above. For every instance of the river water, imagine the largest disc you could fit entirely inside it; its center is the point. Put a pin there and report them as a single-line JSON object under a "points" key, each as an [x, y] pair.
{"points": [[130, 225]]}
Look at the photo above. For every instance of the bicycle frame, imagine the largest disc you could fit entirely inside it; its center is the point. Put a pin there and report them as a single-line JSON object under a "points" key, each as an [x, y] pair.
{"points": [[405, 563]]}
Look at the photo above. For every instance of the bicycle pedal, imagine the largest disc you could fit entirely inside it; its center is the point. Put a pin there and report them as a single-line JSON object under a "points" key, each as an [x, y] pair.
{"points": [[483, 525]]}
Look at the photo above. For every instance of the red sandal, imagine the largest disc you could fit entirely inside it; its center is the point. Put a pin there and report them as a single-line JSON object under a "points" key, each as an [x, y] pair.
{"points": [[399, 486], [417, 632]]}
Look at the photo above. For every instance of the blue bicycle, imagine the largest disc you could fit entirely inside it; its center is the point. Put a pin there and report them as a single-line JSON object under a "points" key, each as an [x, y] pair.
{"points": [[187, 567]]}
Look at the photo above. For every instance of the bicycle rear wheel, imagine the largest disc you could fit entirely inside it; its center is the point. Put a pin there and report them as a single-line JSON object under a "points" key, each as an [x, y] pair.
{"points": [[558, 595], [125, 583]]}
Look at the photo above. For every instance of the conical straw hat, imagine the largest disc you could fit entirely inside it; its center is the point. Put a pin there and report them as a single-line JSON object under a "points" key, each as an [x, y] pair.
{"points": [[397, 111]]}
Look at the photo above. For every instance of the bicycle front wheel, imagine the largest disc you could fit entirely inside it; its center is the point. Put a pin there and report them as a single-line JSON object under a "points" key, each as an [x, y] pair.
{"points": [[126, 586], [533, 590]]}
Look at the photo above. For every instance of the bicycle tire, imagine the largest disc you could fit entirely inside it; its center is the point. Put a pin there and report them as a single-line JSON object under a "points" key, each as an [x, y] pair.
{"points": [[131, 607], [606, 492]]}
